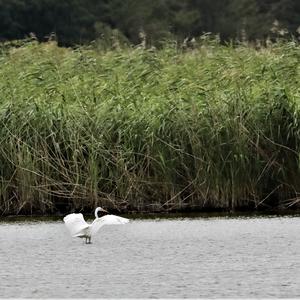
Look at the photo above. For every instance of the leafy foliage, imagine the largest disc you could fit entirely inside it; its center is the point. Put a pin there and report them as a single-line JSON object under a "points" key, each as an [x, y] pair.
{"points": [[81, 21]]}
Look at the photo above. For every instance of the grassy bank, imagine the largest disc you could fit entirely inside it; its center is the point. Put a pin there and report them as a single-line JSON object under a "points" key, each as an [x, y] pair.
{"points": [[149, 130]]}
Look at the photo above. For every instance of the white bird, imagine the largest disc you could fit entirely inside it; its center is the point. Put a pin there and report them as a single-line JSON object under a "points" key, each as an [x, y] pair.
{"points": [[78, 227]]}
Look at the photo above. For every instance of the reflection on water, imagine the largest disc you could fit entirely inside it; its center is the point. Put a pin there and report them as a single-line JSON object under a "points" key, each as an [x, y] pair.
{"points": [[175, 258]]}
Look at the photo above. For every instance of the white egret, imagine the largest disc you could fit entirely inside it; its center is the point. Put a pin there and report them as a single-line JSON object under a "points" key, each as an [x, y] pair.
{"points": [[78, 227]]}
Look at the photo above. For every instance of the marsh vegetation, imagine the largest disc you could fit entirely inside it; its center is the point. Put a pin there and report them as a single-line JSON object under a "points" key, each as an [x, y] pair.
{"points": [[135, 129]]}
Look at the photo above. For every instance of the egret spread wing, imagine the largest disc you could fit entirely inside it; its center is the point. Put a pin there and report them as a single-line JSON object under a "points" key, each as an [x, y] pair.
{"points": [[76, 224], [107, 220]]}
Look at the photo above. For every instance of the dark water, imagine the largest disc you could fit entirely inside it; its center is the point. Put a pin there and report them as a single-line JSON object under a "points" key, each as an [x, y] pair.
{"points": [[213, 257]]}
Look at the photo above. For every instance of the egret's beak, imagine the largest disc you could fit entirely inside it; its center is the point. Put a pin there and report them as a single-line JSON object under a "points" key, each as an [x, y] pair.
{"points": [[104, 210]]}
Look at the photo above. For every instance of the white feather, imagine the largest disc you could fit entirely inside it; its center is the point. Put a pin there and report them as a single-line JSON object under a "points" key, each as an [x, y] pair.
{"points": [[76, 224], [107, 220]]}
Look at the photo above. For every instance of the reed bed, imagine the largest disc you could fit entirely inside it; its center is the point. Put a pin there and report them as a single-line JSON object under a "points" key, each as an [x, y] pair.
{"points": [[135, 129]]}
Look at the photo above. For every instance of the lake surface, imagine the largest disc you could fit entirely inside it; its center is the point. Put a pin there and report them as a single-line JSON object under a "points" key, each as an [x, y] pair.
{"points": [[161, 258]]}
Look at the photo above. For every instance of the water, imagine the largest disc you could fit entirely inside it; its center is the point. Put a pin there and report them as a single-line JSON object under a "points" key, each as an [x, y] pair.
{"points": [[177, 258]]}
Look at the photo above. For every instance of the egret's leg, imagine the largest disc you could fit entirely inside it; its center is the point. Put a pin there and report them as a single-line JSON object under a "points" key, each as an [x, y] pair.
{"points": [[90, 240]]}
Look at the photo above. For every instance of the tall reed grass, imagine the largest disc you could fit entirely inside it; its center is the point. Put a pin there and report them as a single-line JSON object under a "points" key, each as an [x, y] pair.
{"points": [[139, 129]]}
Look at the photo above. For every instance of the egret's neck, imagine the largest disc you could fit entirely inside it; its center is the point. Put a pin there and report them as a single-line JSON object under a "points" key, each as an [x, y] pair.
{"points": [[96, 213]]}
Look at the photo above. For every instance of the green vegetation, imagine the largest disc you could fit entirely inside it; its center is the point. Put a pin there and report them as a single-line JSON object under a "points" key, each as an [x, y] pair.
{"points": [[210, 126], [82, 21]]}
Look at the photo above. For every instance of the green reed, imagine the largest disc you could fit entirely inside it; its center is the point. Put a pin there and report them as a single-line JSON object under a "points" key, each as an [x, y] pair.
{"points": [[149, 130]]}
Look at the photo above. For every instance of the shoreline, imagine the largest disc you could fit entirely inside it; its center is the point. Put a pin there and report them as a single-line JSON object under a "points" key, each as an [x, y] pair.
{"points": [[165, 215]]}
